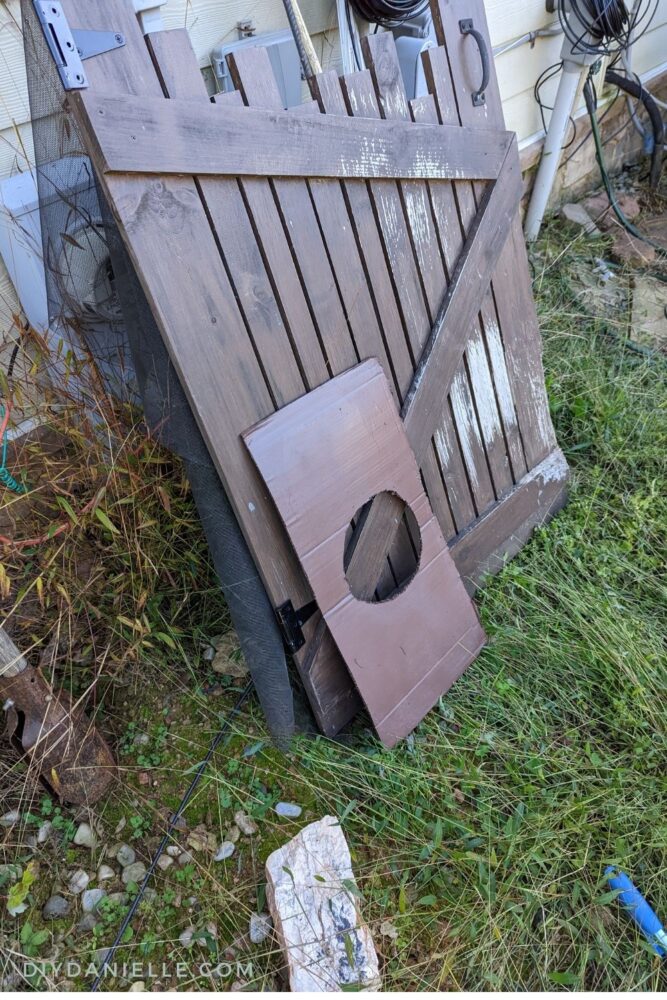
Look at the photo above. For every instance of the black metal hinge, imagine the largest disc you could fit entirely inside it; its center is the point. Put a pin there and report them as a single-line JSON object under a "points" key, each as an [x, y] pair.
{"points": [[291, 623], [70, 46]]}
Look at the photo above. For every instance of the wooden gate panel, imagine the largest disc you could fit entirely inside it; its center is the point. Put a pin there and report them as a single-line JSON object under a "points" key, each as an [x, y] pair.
{"points": [[297, 278], [380, 53], [512, 288], [389, 217], [200, 321]]}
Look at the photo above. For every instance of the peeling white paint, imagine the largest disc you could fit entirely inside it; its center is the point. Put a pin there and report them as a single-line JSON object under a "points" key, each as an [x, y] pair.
{"points": [[251, 507], [441, 448], [501, 378], [466, 425], [482, 386]]}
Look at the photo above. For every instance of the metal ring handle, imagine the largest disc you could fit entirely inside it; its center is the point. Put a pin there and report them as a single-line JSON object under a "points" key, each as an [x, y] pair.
{"points": [[468, 28]]}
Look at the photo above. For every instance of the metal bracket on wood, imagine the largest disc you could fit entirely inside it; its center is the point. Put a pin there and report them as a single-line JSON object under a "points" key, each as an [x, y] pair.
{"points": [[70, 46], [291, 623]]}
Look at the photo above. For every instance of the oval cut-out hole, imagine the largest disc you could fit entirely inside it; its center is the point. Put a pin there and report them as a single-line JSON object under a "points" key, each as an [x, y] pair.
{"points": [[401, 564]]}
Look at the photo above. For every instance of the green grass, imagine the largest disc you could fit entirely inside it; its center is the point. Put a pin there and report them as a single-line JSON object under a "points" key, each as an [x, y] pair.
{"points": [[484, 837]]}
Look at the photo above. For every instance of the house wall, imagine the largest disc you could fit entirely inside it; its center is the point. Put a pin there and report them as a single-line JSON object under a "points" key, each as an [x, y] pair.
{"points": [[211, 21]]}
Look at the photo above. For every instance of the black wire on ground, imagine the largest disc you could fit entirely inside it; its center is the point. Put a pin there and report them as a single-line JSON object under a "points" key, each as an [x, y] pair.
{"points": [[591, 106], [217, 740], [635, 89]]}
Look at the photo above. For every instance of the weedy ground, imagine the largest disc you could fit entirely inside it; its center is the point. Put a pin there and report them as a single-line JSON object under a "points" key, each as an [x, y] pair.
{"points": [[480, 843]]}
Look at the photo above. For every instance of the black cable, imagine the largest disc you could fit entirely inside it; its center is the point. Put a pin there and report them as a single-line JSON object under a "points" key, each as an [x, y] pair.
{"points": [[165, 840], [635, 89], [590, 98], [548, 74], [389, 13], [602, 27]]}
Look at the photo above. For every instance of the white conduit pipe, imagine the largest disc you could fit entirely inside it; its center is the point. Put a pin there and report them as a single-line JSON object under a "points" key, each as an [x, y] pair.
{"points": [[553, 144]]}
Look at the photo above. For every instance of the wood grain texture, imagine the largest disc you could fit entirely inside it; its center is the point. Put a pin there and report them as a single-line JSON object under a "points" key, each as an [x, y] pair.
{"points": [[403, 653], [424, 403], [512, 290], [491, 541], [133, 135], [229, 208], [166, 228]]}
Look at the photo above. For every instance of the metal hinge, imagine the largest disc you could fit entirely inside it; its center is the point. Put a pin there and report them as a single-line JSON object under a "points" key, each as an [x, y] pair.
{"points": [[70, 46], [291, 623]]}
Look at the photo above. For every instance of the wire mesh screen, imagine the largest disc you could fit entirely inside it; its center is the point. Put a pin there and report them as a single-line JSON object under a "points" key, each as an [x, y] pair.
{"points": [[84, 313]]}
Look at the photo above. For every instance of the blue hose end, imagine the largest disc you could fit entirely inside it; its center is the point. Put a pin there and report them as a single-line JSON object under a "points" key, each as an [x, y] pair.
{"points": [[638, 910]]}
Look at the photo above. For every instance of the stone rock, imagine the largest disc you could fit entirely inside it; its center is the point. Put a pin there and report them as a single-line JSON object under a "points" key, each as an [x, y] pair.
{"points": [[87, 923], [104, 873], [10, 818], [125, 855], [185, 858], [139, 986], [327, 946], [225, 851], [599, 209], [164, 862], [44, 832], [91, 899], [78, 881], [578, 216], [649, 312], [260, 927], [150, 894], [202, 839], [134, 872], [228, 659], [233, 834], [84, 836], [387, 929], [55, 908], [630, 250], [245, 823], [10, 872], [174, 850], [185, 937], [288, 809]]}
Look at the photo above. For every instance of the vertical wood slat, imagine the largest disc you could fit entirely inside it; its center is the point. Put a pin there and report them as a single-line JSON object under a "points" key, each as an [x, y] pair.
{"points": [[313, 212], [202, 327], [327, 86], [477, 412], [330, 690], [380, 54], [389, 218], [512, 288], [486, 334], [451, 237]]}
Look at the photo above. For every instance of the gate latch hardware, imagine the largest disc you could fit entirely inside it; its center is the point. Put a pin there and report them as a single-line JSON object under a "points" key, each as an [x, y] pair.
{"points": [[70, 46], [291, 623]]}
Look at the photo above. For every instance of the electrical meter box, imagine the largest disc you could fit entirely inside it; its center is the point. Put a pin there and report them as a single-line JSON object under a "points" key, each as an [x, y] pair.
{"points": [[284, 61]]}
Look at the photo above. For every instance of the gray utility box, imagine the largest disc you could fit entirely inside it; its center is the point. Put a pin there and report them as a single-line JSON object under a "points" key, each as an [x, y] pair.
{"points": [[284, 61]]}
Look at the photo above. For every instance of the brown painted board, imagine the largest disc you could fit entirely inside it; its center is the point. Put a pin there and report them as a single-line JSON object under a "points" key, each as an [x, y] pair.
{"points": [[134, 135], [405, 652], [453, 83], [166, 225]]}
